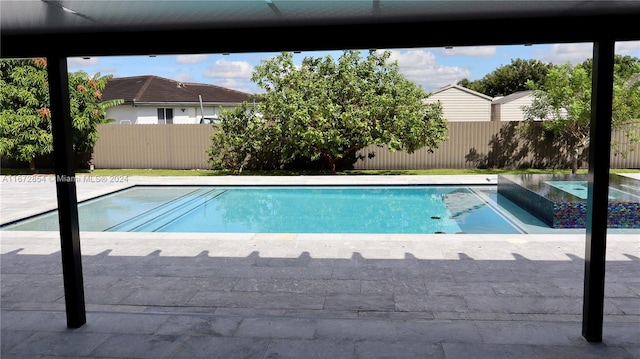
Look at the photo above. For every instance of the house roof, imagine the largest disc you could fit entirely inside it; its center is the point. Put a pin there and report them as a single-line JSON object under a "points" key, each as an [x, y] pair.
{"points": [[463, 89], [514, 96], [155, 89]]}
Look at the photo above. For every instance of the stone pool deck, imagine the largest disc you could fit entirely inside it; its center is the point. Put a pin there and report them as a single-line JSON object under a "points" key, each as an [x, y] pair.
{"points": [[163, 295]]}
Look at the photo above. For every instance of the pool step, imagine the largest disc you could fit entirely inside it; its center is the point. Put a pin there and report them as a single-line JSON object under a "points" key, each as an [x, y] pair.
{"points": [[158, 223], [461, 202], [628, 189], [168, 212]]}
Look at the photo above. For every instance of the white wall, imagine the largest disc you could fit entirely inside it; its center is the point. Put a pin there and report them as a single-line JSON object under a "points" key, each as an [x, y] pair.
{"points": [[123, 114], [512, 111], [459, 105], [142, 114], [147, 115], [180, 117]]}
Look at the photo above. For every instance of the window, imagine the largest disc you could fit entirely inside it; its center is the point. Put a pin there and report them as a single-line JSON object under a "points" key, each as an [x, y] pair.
{"points": [[165, 116]]}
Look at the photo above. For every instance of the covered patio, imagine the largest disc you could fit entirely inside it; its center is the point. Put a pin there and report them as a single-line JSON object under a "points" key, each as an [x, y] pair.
{"points": [[61, 29]]}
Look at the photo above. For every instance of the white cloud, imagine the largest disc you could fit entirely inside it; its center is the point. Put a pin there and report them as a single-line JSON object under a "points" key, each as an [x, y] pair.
{"points": [[422, 67], [562, 53], [631, 48], [229, 70], [236, 84], [183, 77], [81, 62], [475, 51], [413, 58], [579, 52], [191, 59], [107, 71]]}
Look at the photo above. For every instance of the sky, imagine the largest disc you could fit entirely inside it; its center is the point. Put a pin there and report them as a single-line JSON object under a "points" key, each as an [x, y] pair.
{"points": [[431, 68]]}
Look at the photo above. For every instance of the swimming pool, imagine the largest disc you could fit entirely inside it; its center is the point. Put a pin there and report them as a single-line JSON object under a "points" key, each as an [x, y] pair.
{"points": [[288, 209]]}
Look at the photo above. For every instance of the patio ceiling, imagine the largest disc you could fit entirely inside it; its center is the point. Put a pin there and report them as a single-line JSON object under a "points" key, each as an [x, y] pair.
{"points": [[107, 27]]}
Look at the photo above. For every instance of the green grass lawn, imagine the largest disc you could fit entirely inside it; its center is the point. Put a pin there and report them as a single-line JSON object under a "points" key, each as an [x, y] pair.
{"points": [[439, 171]]}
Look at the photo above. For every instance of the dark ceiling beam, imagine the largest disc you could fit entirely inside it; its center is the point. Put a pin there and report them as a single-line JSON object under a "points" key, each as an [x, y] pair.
{"points": [[356, 36]]}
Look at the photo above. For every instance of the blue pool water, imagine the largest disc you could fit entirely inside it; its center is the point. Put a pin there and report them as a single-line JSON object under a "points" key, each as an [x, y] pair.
{"points": [[295, 209], [579, 189]]}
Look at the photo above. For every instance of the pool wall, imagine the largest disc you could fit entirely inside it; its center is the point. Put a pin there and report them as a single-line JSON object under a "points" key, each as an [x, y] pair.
{"points": [[560, 209], [527, 199]]}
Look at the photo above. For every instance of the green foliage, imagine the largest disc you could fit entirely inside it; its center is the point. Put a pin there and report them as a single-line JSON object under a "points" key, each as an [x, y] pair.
{"points": [[243, 138], [464, 83], [328, 109], [511, 78], [564, 103], [25, 118], [25, 125], [625, 66], [87, 112]]}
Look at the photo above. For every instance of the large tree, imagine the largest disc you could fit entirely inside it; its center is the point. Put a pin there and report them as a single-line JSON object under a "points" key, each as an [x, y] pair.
{"points": [[329, 109], [510, 78], [25, 117], [25, 125], [563, 102]]}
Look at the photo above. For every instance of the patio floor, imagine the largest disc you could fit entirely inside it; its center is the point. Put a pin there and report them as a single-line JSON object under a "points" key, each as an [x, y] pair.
{"points": [[163, 295]]}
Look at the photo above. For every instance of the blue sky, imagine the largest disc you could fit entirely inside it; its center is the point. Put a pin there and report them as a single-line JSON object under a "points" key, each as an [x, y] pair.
{"points": [[431, 68]]}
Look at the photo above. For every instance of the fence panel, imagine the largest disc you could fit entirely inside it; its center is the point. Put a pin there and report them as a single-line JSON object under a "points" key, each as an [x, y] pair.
{"points": [[464, 137], [492, 144], [152, 146], [470, 145], [632, 157]]}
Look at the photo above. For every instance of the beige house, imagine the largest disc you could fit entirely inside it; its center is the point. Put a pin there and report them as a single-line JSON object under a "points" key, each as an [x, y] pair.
{"points": [[510, 108], [462, 104]]}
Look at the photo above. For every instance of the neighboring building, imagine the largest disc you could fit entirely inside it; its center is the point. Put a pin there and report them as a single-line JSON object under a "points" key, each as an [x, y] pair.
{"points": [[510, 108], [156, 100], [462, 104]]}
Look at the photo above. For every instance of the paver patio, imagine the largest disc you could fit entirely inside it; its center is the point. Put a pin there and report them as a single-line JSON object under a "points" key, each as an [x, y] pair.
{"points": [[164, 295]]}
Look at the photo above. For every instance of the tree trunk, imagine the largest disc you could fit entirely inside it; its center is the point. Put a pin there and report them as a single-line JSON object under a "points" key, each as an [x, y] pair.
{"points": [[332, 167], [331, 162], [32, 165], [574, 162]]}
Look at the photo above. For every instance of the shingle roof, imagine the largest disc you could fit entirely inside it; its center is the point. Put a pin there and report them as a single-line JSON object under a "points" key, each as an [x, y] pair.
{"points": [[154, 89]]}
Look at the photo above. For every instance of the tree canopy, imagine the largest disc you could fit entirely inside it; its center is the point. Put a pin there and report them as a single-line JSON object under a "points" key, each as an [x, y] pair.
{"points": [[25, 117], [563, 102], [327, 110], [511, 78]]}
